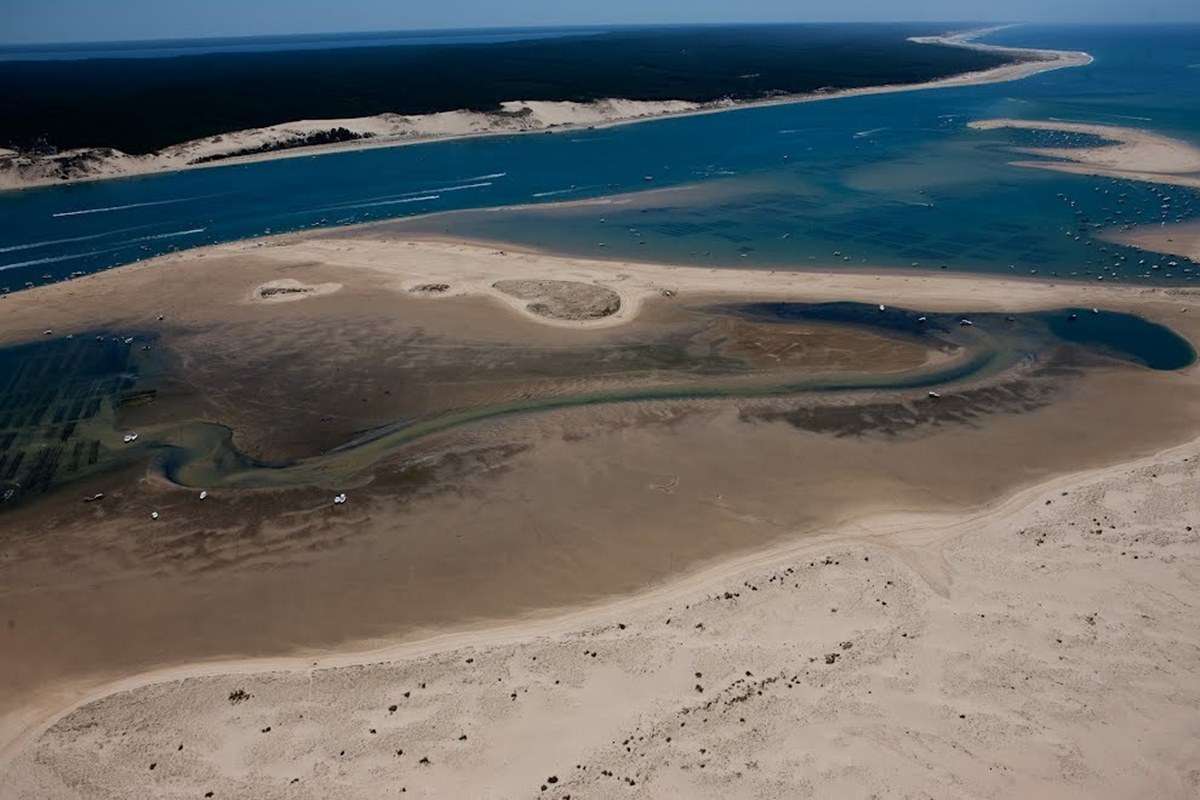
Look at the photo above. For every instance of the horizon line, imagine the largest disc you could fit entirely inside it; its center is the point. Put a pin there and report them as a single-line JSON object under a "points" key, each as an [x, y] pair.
{"points": [[552, 27]]}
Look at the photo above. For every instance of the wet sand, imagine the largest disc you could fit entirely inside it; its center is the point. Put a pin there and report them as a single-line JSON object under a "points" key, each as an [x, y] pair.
{"points": [[1176, 239], [516, 516]]}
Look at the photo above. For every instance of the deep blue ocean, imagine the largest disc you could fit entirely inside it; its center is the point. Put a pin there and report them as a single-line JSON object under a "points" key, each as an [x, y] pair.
{"points": [[889, 180]]}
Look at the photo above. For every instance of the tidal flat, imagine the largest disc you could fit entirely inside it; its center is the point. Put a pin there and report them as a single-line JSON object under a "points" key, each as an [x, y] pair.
{"points": [[499, 463]]}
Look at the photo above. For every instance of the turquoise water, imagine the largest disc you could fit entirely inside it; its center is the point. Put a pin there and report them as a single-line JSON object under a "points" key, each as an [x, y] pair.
{"points": [[887, 180]]}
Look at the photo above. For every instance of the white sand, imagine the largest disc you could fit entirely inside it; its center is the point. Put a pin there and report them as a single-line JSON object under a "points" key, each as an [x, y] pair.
{"points": [[517, 116], [1135, 155], [469, 268], [286, 290], [1044, 647]]}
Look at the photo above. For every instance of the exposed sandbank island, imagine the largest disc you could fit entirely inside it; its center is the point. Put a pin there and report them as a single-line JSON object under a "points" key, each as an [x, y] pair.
{"points": [[977, 622], [1124, 152], [1176, 239], [18, 170]]}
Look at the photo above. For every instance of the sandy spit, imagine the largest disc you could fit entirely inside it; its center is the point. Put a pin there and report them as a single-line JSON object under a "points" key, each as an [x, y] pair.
{"points": [[19, 171], [1134, 154], [459, 268]]}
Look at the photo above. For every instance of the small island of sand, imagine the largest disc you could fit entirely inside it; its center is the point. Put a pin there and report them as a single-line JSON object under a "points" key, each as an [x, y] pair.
{"points": [[1123, 152], [568, 300]]}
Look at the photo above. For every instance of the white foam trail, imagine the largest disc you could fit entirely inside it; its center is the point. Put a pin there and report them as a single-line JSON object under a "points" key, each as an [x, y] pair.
{"points": [[171, 235], [371, 201], [48, 242], [864, 134], [450, 188], [555, 192], [106, 209], [389, 202], [113, 249], [53, 259]]}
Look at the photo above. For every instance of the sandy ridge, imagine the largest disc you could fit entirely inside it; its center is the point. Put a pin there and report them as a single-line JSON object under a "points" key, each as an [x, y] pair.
{"points": [[473, 268]]}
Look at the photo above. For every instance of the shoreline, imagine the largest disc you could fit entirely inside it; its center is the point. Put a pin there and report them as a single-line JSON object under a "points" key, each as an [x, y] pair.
{"points": [[470, 267], [555, 117]]}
